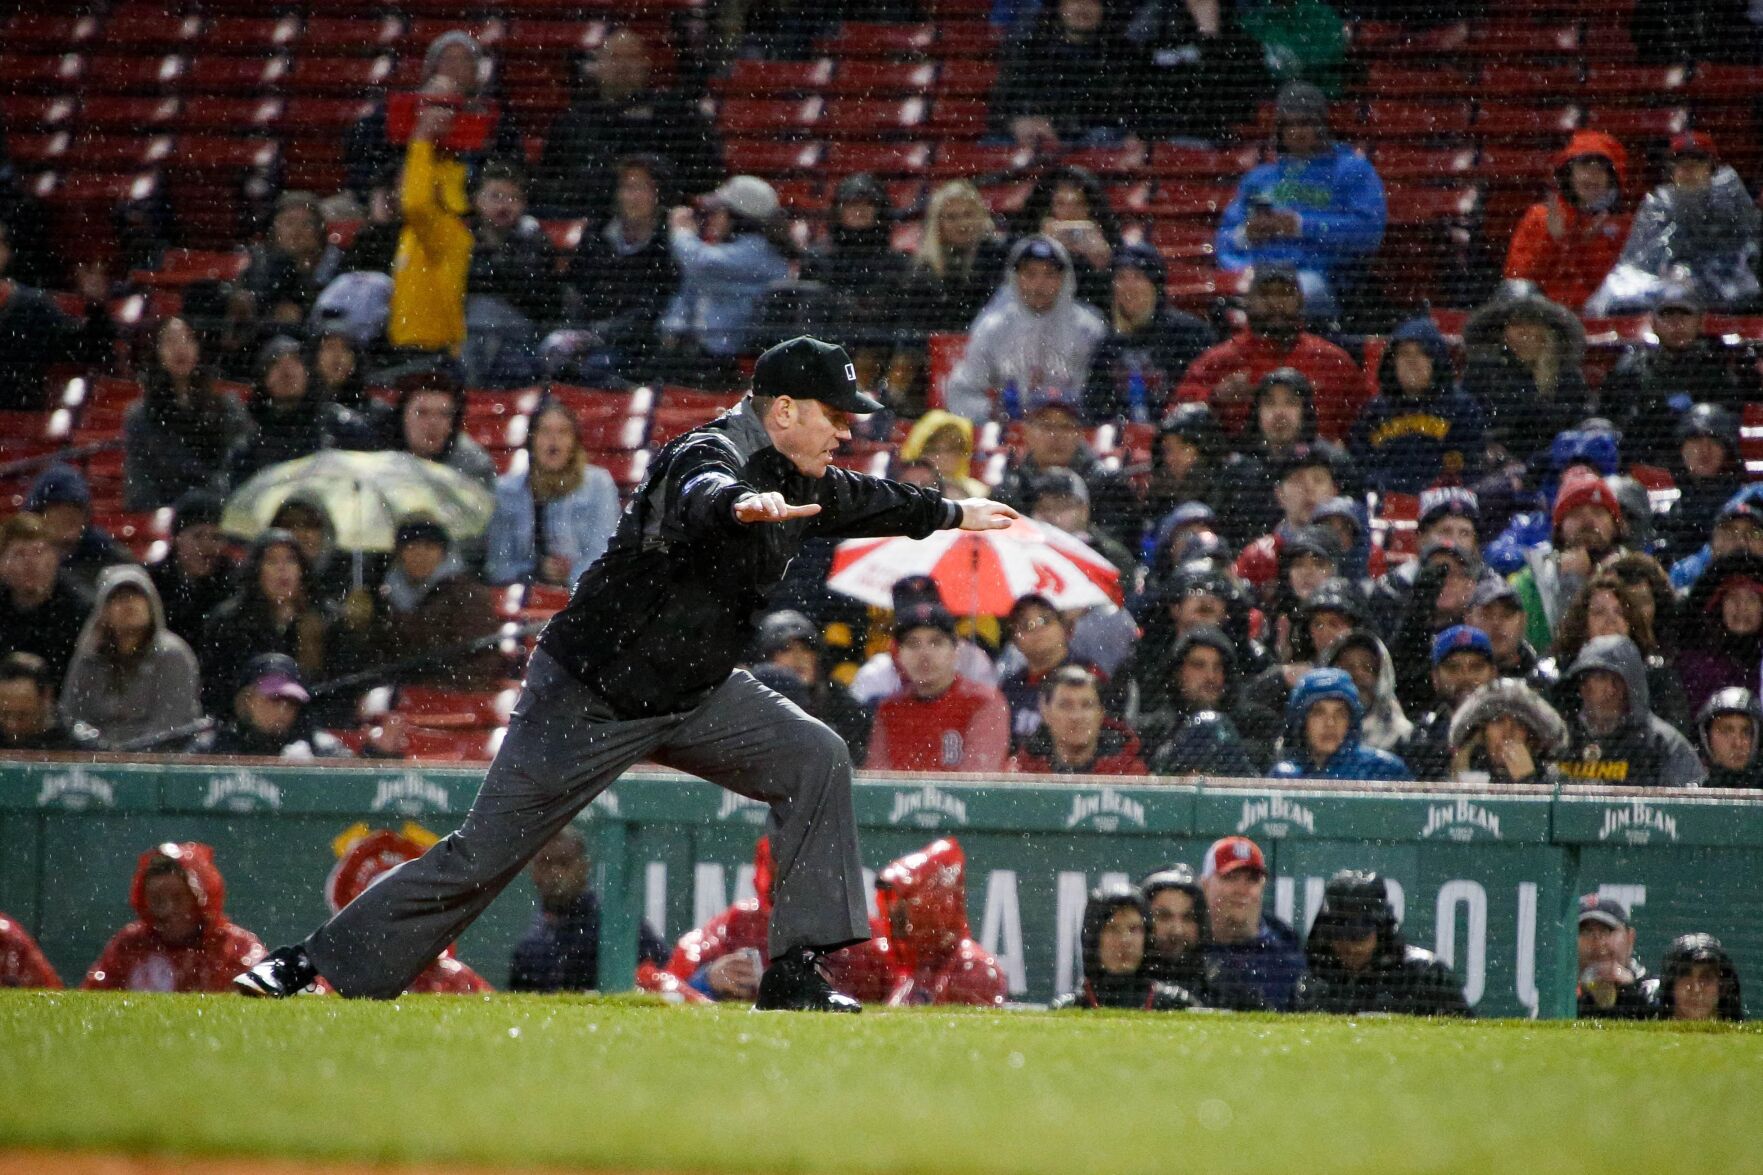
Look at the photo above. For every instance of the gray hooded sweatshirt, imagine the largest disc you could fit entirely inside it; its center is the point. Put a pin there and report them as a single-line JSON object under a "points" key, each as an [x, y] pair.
{"points": [[1011, 344], [1643, 750], [155, 692]]}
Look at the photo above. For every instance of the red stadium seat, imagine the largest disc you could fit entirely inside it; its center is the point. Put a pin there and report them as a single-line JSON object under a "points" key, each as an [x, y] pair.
{"points": [[768, 157], [1401, 79], [33, 72], [143, 28], [884, 159], [750, 78], [1495, 121], [769, 116], [215, 73], [1510, 39], [627, 469], [972, 38], [1108, 161], [974, 161], [215, 115], [856, 117], [1179, 161], [860, 39], [966, 79], [1414, 41], [1636, 123], [958, 117], [140, 114], [1407, 164], [1184, 240], [866, 79], [1177, 200], [802, 197], [48, 32], [323, 117], [326, 35], [1519, 81], [1388, 119], [1635, 83], [347, 77], [115, 73], [252, 35], [30, 113]]}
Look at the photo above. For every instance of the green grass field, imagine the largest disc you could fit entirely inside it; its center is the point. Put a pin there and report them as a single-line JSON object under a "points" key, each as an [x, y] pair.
{"points": [[627, 1085]]}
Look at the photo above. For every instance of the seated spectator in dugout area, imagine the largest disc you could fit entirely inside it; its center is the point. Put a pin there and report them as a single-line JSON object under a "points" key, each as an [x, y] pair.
{"points": [[921, 951], [181, 939], [1571, 239], [1730, 729], [1420, 428], [1698, 981], [1253, 961], [791, 660], [429, 422], [1606, 606], [1612, 982], [1708, 468], [1322, 739], [1318, 206], [938, 721], [1682, 364], [1462, 662], [1226, 375], [1526, 370], [1722, 632], [196, 573], [1586, 529], [29, 717], [41, 610], [1699, 228], [556, 516], [513, 288], [1175, 908], [1033, 337], [62, 499], [1505, 732], [1359, 961], [1615, 737], [1149, 345], [21, 961], [1075, 736], [368, 856], [176, 437], [946, 441], [1053, 439], [1112, 940], [561, 949], [269, 717], [131, 679]]}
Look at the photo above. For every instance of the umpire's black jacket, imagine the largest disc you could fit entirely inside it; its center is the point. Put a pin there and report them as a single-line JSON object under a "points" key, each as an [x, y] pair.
{"points": [[661, 618]]}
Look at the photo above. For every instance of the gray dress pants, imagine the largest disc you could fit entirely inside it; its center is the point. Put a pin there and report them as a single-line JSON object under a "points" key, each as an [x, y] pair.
{"points": [[563, 748]]}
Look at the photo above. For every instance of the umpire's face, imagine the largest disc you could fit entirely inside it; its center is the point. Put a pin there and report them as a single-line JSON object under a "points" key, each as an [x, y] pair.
{"points": [[808, 432]]}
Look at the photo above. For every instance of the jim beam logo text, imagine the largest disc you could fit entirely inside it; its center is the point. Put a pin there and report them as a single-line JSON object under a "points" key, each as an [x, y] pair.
{"points": [[76, 788], [1105, 810], [1461, 820], [1636, 823], [738, 807], [928, 807], [1276, 815], [410, 794], [242, 791]]}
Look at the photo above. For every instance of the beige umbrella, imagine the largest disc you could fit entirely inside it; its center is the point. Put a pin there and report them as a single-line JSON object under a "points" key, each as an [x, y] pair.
{"points": [[365, 494]]}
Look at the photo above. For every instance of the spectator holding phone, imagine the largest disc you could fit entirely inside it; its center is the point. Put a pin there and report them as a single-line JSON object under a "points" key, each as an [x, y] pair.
{"points": [[435, 246]]}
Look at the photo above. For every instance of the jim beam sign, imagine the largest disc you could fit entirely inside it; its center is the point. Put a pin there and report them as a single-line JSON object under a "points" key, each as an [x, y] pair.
{"points": [[1276, 815], [1460, 820], [928, 807], [1105, 810]]}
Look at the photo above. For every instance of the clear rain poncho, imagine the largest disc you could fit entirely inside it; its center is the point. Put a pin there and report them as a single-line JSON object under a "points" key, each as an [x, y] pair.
{"points": [[1706, 240]]}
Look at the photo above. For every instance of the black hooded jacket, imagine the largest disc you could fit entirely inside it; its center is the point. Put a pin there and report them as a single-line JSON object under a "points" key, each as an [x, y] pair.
{"points": [[659, 620], [1186, 970], [244, 626], [1099, 989], [1401, 979], [1684, 953]]}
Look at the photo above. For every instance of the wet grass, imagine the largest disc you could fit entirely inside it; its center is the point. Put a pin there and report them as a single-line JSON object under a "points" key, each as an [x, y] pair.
{"points": [[626, 1084]]}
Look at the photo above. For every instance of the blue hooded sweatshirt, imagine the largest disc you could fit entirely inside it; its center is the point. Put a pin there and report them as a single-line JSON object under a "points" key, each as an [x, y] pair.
{"points": [[1337, 196], [1405, 443], [1352, 760]]}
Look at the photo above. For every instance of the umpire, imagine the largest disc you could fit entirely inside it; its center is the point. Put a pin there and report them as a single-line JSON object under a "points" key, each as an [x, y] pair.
{"points": [[640, 665]]}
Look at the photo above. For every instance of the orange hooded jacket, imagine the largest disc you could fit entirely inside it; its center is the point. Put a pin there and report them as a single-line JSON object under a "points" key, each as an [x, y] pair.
{"points": [[1570, 269], [137, 959]]}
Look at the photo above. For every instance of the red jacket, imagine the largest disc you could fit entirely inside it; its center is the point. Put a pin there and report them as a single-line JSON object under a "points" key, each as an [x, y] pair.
{"points": [[1340, 386], [137, 959], [369, 858], [922, 899], [965, 728], [1570, 269], [21, 961], [1117, 753], [742, 926]]}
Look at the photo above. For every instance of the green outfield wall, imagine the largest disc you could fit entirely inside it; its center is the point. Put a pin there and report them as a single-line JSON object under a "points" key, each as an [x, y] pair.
{"points": [[1486, 878]]}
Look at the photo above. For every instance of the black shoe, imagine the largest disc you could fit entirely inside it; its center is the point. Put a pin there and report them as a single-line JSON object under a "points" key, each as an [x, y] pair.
{"points": [[283, 972], [793, 983]]}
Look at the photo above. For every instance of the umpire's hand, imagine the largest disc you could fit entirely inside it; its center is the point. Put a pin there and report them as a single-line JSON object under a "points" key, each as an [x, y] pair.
{"points": [[771, 508], [985, 514]]}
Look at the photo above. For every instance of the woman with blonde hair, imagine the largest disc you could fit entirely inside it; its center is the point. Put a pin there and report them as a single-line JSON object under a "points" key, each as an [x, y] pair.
{"points": [[555, 516], [960, 261]]}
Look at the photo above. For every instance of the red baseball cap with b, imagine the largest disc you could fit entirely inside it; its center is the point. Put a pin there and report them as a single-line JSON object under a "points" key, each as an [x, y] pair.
{"points": [[1232, 854]]}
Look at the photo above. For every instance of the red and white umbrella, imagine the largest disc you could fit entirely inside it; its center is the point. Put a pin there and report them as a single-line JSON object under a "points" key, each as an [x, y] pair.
{"points": [[980, 573]]}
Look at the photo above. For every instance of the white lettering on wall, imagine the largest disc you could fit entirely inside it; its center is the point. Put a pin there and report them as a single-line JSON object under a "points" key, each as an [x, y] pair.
{"points": [[1001, 928], [1524, 979], [1474, 899], [709, 891], [1632, 897], [1283, 899], [655, 897], [1070, 894]]}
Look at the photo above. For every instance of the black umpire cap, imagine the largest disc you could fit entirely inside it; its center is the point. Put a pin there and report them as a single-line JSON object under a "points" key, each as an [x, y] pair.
{"points": [[808, 369]]}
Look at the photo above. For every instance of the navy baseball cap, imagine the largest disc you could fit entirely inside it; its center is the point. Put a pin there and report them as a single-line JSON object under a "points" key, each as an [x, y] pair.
{"points": [[1607, 911], [923, 616], [1461, 638], [809, 369], [1039, 248], [1492, 589]]}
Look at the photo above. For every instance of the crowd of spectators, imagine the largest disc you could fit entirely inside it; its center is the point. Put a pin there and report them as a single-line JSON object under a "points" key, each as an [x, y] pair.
{"points": [[1180, 939]]}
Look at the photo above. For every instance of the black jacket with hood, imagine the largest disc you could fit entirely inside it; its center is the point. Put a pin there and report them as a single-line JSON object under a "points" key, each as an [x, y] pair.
{"points": [[1400, 978], [1099, 989], [1685, 952], [659, 620], [1643, 750]]}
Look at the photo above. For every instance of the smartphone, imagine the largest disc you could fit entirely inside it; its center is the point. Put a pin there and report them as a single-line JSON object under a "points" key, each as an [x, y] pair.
{"points": [[473, 122]]}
